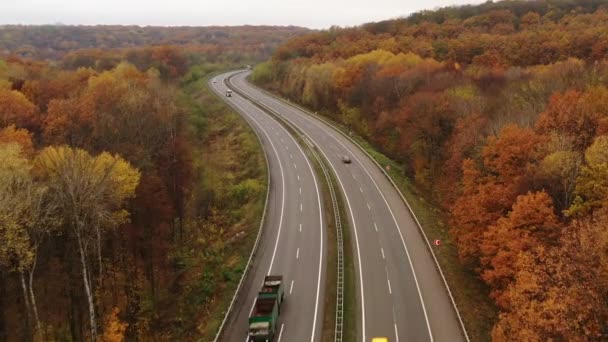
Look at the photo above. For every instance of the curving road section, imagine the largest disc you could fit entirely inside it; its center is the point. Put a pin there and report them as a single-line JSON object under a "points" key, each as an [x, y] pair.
{"points": [[293, 239], [400, 294]]}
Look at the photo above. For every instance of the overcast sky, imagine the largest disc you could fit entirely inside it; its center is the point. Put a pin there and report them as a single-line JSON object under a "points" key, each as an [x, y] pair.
{"points": [[308, 13]]}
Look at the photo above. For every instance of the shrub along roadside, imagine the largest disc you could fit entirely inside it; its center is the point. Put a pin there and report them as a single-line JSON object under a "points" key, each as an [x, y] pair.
{"points": [[225, 207]]}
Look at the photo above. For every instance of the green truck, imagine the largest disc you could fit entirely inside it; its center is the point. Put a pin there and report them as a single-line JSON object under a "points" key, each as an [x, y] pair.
{"points": [[266, 310]]}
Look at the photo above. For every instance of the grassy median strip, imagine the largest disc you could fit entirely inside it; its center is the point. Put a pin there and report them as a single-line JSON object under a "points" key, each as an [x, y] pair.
{"points": [[329, 302]]}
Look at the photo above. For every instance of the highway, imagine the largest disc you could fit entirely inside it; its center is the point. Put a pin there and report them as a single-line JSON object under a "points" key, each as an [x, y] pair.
{"points": [[293, 243], [400, 294]]}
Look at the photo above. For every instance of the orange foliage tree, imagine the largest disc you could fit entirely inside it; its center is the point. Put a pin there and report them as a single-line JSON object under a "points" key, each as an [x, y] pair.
{"points": [[22, 137], [532, 222], [17, 110], [560, 292], [488, 194]]}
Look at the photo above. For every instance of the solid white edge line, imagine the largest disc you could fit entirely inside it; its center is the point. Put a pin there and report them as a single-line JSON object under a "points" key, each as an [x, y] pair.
{"points": [[396, 333], [281, 332], [251, 310]]}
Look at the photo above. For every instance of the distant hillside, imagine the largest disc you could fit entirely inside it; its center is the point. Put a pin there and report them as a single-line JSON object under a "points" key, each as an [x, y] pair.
{"points": [[53, 42], [521, 32]]}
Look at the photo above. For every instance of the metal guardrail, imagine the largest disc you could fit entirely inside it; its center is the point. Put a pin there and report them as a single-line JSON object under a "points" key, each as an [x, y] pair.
{"points": [[339, 326], [421, 231], [255, 246]]}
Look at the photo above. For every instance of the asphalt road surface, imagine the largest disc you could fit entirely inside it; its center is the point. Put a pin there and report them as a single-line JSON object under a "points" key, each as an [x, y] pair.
{"points": [[293, 243], [400, 294]]}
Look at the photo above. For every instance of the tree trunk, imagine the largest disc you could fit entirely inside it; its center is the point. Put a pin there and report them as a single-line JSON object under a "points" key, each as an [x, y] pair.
{"points": [[3, 296], [99, 257], [27, 302], [87, 287], [33, 299], [74, 313]]}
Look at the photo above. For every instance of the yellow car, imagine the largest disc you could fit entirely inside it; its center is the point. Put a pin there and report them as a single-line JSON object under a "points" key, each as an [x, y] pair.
{"points": [[379, 339]]}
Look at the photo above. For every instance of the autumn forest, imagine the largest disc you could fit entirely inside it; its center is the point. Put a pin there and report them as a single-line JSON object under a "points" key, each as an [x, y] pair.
{"points": [[508, 101], [127, 212], [119, 202]]}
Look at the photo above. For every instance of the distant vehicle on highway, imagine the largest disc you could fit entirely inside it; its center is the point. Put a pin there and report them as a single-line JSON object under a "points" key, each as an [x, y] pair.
{"points": [[228, 93], [346, 159], [379, 339], [266, 310]]}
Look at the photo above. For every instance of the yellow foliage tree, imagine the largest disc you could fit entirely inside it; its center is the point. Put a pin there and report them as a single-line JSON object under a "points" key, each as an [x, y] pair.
{"points": [[91, 193], [26, 216], [592, 183], [114, 330]]}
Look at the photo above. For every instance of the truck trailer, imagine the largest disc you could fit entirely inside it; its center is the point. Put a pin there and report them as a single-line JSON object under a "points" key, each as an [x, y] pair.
{"points": [[266, 310]]}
